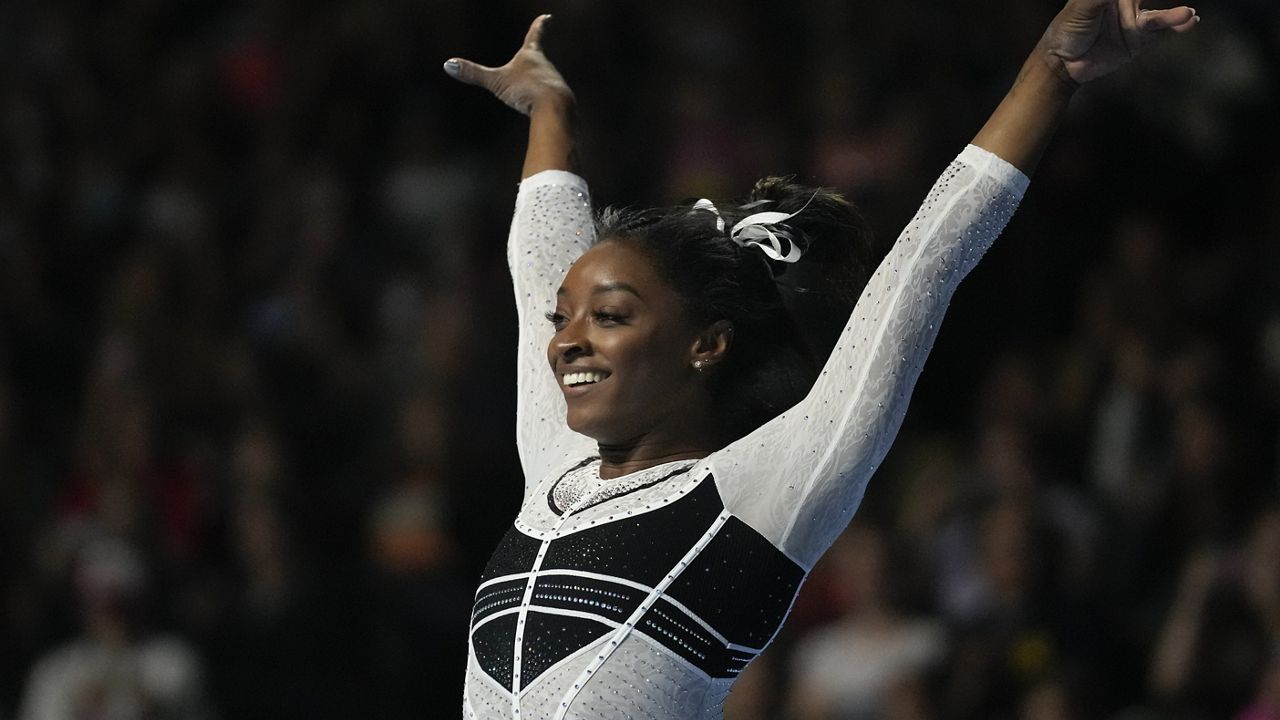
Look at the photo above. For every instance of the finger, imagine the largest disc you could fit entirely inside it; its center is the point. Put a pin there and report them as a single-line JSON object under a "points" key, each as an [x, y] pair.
{"points": [[470, 73], [1194, 21], [1179, 19], [533, 38], [1131, 13]]}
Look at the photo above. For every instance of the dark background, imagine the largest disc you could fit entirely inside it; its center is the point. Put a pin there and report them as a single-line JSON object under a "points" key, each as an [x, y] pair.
{"points": [[256, 344]]}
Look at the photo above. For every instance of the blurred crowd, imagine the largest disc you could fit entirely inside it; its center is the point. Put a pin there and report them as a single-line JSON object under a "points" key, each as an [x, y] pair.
{"points": [[257, 351]]}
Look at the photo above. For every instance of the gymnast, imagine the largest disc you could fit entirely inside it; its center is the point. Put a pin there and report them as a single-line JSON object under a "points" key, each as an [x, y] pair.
{"points": [[689, 449]]}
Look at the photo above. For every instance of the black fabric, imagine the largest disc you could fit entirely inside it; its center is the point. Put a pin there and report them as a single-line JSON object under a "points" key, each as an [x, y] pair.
{"points": [[740, 584], [493, 643], [515, 554], [548, 639], [642, 548]]}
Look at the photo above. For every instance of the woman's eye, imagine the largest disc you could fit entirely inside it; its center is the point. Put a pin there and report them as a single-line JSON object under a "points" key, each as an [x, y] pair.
{"points": [[608, 318], [556, 319]]}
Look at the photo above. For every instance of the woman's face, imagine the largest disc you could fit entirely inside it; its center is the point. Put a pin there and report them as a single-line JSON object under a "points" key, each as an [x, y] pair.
{"points": [[623, 349]]}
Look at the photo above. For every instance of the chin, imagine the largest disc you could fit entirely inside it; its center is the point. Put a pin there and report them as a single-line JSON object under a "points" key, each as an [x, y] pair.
{"points": [[593, 430], [580, 425]]}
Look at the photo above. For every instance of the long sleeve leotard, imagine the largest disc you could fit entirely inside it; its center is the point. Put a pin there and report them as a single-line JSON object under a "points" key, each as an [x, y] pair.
{"points": [[644, 596]]}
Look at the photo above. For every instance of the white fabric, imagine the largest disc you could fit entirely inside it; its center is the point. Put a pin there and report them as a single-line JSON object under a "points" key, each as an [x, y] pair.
{"points": [[551, 228]]}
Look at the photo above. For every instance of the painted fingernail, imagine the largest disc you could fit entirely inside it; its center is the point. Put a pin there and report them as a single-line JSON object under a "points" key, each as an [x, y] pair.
{"points": [[453, 67]]}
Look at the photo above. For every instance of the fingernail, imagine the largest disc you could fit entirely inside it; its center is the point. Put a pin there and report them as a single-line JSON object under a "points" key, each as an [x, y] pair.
{"points": [[546, 17], [453, 67]]}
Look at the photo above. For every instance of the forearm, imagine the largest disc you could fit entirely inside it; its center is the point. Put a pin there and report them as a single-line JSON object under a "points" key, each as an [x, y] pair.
{"points": [[551, 228], [1024, 122], [552, 145]]}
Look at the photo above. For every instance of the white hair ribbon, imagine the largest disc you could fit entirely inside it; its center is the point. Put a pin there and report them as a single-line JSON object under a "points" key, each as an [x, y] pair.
{"points": [[705, 204], [761, 230]]}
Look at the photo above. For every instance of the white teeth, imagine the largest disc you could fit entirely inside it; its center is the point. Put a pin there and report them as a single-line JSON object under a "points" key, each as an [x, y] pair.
{"points": [[581, 378]]}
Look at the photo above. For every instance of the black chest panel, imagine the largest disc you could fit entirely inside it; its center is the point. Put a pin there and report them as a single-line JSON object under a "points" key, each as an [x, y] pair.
{"points": [[739, 585], [641, 548], [515, 554]]}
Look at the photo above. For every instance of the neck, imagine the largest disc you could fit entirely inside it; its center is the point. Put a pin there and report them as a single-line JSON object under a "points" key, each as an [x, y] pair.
{"points": [[618, 459], [689, 431]]}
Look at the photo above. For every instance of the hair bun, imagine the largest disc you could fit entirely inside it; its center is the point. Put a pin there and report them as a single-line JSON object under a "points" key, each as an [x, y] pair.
{"points": [[839, 256]]}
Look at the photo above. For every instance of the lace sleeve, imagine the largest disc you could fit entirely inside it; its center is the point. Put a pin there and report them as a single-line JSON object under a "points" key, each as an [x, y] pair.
{"points": [[799, 478], [552, 226]]}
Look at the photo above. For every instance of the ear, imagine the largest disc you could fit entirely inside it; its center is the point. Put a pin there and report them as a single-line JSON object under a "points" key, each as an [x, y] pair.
{"points": [[712, 346]]}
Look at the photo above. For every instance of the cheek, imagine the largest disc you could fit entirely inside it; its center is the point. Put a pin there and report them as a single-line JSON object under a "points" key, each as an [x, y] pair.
{"points": [[658, 358]]}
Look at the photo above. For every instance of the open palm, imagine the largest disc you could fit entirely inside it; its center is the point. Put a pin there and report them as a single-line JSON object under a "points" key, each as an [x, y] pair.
{"points": [[526, 79]]}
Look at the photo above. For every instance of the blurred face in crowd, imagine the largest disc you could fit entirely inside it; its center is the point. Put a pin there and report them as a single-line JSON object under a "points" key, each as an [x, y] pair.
{"points": [[623, 348]]}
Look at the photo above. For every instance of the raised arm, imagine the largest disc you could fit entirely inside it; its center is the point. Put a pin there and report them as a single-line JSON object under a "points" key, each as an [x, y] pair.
{"points": [[552, 226], [799, 478]]}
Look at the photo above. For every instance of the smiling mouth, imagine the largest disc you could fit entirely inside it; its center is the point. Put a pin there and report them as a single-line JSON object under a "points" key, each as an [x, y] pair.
{"points": [[580, 379]]}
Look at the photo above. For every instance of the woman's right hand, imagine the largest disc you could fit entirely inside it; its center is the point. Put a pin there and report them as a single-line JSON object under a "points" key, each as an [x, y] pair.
{"points": [[1091, 38], [525, 82], [1087, 39]]}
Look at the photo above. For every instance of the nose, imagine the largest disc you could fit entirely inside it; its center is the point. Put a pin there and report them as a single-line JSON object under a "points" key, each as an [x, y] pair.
{"points": [[570, 342]]}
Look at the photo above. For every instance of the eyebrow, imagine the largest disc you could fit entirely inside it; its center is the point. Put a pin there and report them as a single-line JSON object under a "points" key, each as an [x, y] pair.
{"points": [[606, 288]]}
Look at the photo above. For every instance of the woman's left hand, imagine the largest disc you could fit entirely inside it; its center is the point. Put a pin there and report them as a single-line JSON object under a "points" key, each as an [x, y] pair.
{"points": [[526, 81], [1090, 38]]}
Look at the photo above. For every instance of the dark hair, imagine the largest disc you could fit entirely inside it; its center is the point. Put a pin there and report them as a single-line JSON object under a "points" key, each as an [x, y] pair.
{"points": [[786, 317]]}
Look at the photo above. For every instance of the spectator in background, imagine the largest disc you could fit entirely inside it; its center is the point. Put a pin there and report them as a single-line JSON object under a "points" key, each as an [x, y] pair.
{"points": [[115, 669], [873, 657], [1223, 626], [1011, 635]]}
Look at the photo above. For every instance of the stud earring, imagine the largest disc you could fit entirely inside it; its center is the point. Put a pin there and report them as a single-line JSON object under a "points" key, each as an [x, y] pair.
{"points": [[697, 365]]}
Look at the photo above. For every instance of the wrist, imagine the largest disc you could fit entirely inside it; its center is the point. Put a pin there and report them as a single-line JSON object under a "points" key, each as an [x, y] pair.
{"points": [[1046, 73], [555, 106], [551, 135], [1023, 123]]}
